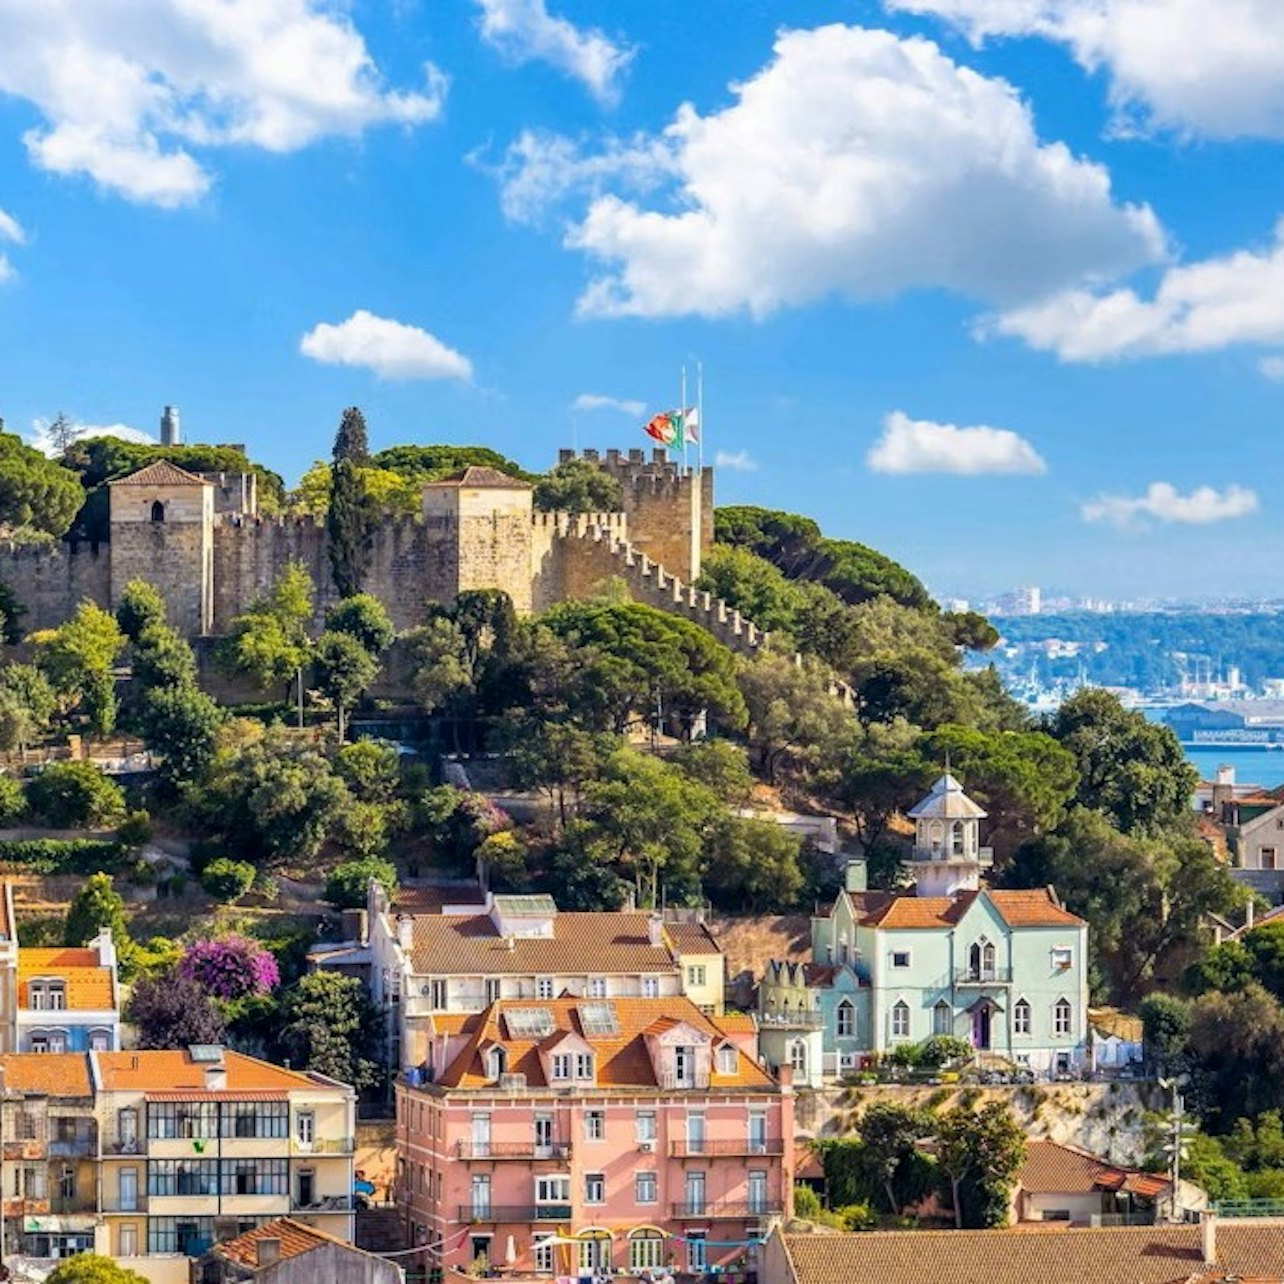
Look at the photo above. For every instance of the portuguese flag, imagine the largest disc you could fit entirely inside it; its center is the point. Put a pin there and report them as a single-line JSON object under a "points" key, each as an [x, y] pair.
{"points": [[674, 427]]}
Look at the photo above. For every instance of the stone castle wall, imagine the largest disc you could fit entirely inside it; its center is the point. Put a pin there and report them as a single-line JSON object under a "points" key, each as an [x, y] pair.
{"points": [[50, 581]]}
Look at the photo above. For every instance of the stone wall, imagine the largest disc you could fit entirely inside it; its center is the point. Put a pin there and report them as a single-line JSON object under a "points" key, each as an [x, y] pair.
{"points": [[49, 581]]}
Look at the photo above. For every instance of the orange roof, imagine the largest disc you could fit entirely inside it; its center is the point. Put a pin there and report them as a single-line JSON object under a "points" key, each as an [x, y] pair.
{"points": [[691, 938], [161, 473], [1033, 908], [53, 1074], [1051, 1169], [479, 476], [470, 945], [416, 899], [174, 1071], [623, 1059], [293, 1239], [738, 1022], [88, 983]]}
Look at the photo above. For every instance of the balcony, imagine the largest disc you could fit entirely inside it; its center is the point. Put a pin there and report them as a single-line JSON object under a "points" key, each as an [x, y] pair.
{"points": [[72, 1148], [731, 1211], [513, 1214], [512, 1150], [983, 976], [114, 1204], [939, 856], [693, 1080], [798, 1020], [62, 1205], [322, 1146], [320, 1204], [133, 1146], [721, 1149]]}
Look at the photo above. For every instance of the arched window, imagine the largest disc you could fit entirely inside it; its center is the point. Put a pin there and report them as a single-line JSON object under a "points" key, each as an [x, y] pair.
{"points": [[956, 838], [974, 961], [158, 511], [942, 1018], [1021, 1017], [900, 1019], [846, 1020], [987, 959], [646, 1250], [798, 1056], [937, 835], [496, 1062], [1061, 1017]]}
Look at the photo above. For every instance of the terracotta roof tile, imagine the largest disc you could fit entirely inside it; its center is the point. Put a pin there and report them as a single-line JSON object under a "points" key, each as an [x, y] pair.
{"points": [[174, 1071], [1034, 908], [432, 899], [623, 1059], [54, 1074], [456, 945], [1134, 1254], [161, 473], [478, 476], [1051, 1169], [692, 938], [294, 1238], [88, 984]]}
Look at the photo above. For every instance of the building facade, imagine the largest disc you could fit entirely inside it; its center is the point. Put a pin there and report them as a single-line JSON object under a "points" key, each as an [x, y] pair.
{"points": [[1006, 971], [575, 1137]]}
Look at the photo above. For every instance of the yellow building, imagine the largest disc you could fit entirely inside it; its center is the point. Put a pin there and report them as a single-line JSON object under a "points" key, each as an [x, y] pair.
{"points": [[203, 1144]]}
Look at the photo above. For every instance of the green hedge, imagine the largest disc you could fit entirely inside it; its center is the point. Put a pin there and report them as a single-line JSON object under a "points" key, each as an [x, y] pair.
{"points": [[64, 855]]}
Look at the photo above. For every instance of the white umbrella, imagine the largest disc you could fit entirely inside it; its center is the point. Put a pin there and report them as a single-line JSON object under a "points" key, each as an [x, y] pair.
{"points": [[510, 1253]]}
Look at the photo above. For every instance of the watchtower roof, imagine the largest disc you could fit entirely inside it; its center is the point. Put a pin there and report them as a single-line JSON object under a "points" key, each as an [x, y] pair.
{"points": [[161, 473], [946, 801], [478, 477]]}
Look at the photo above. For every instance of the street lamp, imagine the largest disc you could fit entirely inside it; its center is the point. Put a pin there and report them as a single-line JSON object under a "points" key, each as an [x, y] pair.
{"points": [[1175, 1147]]}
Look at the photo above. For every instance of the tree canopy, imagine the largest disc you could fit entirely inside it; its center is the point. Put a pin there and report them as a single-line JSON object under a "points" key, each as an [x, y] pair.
{"points": [[578, 486], [37, 495]]}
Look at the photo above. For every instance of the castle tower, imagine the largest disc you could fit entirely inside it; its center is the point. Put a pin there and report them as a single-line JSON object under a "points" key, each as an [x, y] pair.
{"points": [[947, 855], [170, 434], [484, 517], [162, 531]]}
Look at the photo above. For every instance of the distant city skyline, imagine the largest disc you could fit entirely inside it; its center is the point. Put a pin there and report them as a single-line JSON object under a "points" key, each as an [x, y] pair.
{"points": [[992, 295]]}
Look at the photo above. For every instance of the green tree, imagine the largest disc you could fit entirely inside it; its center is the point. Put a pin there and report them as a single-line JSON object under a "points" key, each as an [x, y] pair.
{"points": [[140, 604], [77, 657], [36, 494], [1228, 966], [890, 1134], [753, 865], [882, 773], [95, 906], [385, 491], [578, 486], [333, 1028], [180, 726], [11, 615], [360, 830], [227, 880], [718, 765], [90, 1268], [364, 618], [170, 1010], [431, 463], [349, 520], [75, 795], [269, 642], [980, 1151], [370, 770], [162, 658], [751, 584], [1165, 1025], [1237, 1049], [1265, 945], [13, 802], [557, 758], [1131, 770], [343, 669], [347, 884]]}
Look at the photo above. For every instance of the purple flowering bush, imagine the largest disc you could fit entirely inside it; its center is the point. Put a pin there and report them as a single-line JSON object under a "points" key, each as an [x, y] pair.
{"points": [[230, 967]]}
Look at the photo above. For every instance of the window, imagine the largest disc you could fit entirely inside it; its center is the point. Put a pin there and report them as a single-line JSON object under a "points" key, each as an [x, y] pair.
{"points": [[255, 1177], [846, 1020], [182, 1177], [543, 987], [584, 1065], [480, 1191], [646, 1125], [67, 1182], [561, 1065], [169, 1119], [254, 1119], [495, 1063], [695, 1252], [158, 511], [900, 958], [726, 1059], [644, 1188], [597, 987], [594, 1188], [543, 1255], [48, 996], [942, 1018], [493, 990], [100, 1040], [1021, 1017], [757, 1193], [595, 1125], [695, 1193], [695, 1134], [554, 1189], [543, 1134], [1061, 1017], [696, 974], [437, 994], [127, 1242], [900, 1019], [127, 1130], [758, 1134], [188, 1235], [798, 1056], [127, 1190], [646, 1250], [650, 987], [1267, 858], [1062, 957], [684, 1066]]}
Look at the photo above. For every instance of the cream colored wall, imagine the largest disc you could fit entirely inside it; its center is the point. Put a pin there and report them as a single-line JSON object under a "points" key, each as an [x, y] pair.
{"points": [[710, 993]]}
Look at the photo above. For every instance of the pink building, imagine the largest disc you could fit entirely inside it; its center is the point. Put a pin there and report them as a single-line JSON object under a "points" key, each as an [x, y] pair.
{"points": [[581, 1135]]}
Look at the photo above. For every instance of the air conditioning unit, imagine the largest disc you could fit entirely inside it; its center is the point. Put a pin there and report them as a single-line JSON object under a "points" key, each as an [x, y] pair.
{"points": [[512, 1082], [646, 1147]]}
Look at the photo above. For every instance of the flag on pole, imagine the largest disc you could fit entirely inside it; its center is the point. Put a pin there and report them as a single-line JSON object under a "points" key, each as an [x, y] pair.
{"points": [[674, 427]]}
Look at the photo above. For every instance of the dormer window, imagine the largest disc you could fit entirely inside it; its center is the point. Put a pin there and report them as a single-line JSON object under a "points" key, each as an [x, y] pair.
{"points": [[726, 1059], [496, 1060], [562, 1063], [48, 996], [584, 1066]]}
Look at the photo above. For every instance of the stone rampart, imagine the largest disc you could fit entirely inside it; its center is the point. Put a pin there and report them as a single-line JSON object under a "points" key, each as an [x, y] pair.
{"points": [[50, 580]]}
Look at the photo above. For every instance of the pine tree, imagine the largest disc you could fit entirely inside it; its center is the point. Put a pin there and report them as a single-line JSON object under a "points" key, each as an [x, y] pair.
{"points": [[349, 519]]}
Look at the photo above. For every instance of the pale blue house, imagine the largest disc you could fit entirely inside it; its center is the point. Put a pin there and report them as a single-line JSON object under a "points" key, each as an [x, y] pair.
{"points": [[1004, 970]]}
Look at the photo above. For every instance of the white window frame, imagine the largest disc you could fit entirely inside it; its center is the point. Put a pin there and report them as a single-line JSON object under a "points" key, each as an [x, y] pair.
{"points": [[595, 1125], [900, 1028], [907, 955], [544, 987], [646, 1187], [595, 1188], [650, 987], [562, 1064], [1063, 1018], [584, 1066], [697, 974], [553, 1188], [1021, 1017], [644, 1125], [726, 1059], [597, 987], [1062, 958], [845, 1020]]}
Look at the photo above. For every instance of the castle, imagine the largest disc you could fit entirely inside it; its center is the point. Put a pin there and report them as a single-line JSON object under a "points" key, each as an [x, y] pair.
{"points": [[200, 539]]}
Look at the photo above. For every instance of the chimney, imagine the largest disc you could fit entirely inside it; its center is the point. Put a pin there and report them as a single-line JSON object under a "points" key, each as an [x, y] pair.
{"points": [[856, 876], [654, 929], [106, 948], [355, 926], [405, 931], [1250, 911], [1208, 1238], [269, 1250], [1223, 793], [170, 434], [216, 1078]]}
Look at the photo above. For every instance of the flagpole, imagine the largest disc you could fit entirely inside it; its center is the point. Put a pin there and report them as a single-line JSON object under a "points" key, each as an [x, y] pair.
{"points": [[700, 416], [682, 411]]}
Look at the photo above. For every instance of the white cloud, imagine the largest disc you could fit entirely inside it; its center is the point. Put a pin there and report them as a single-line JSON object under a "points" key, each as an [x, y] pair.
{"points": [[921, 446], [1163, 503], [126, 89], [595, 401], [738, 461], [39, 435], [525, 31], [1272, 368], [11, 229], [1197, 307], [389, 348], [1211, 68], [861, 164]]}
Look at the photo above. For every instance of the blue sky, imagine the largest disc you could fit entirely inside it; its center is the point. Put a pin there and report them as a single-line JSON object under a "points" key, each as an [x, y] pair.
{"points": [[992, 285]]}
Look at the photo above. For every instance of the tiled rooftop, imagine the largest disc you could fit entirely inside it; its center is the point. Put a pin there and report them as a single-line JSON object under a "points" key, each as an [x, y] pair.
{"points": [[1050, 1169], [479, 477], [1034, 908], [88, 985], [54, 1074], [166, 1071], [294, 1239], [161, 473]]}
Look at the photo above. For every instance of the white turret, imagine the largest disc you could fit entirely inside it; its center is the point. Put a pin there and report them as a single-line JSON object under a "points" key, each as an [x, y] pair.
{"points": [[948, 855]]}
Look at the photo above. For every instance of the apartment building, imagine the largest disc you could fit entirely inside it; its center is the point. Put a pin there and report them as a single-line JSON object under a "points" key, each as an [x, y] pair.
{"points": [[575, 1136], [463, 958]]}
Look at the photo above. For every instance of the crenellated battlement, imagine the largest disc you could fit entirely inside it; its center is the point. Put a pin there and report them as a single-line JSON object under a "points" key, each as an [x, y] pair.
{"points": [[564, 522]]}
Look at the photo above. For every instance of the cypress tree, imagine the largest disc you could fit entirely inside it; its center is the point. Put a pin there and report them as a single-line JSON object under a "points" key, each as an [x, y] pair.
{"points": [[349, 520]]}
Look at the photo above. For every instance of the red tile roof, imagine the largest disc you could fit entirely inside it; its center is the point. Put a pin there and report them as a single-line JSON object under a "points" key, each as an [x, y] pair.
{"points": [[293, 1238], [1050, 1169], [174, 1071], [161, 473], [478, 477], [1033, 908], [53, 1074], [88, 985]]}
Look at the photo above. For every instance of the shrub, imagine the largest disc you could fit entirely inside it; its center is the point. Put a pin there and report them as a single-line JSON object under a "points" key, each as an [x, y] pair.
{"points": [[942, 1049], [13, 802], [230, 967], [75, 795], [227, 880], [135, 829], [64, 855], [347, 884]]}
